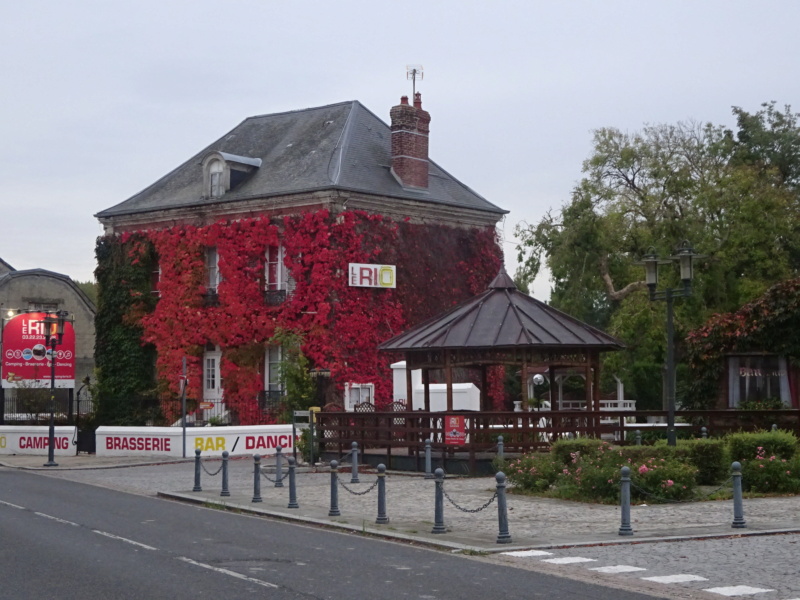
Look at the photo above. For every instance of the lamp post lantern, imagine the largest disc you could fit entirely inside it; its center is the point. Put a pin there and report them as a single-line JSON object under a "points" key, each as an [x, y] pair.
{"points": [[53, 336], [685, 256]]}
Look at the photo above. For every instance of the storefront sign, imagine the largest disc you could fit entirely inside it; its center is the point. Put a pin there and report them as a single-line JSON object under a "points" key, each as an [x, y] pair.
{"points": [[35, 439], [211, 441], [376, 276], [26, 359], [455, 430]]}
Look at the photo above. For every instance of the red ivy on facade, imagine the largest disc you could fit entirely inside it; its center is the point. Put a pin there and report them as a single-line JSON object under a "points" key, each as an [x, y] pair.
{"points": [[341, 326]]}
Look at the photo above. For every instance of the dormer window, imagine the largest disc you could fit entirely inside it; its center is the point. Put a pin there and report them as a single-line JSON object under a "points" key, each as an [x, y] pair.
{"points": [[215, 171], [223, 172]]}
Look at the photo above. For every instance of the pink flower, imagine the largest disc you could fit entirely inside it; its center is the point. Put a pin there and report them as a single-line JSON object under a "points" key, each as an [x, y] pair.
{"points": [[670, 483], [643, 469]]}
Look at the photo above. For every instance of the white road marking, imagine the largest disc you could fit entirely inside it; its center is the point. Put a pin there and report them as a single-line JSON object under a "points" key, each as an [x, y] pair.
{"points": [[524, 553], [617, 569], [12, 505], [227, 572], [682, 578], [568, 560], [56, 519], [122, 539], [737, 590]]}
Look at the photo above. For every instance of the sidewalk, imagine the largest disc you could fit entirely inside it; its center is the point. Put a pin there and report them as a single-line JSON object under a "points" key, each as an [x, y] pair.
{"points": [[533, 522]]}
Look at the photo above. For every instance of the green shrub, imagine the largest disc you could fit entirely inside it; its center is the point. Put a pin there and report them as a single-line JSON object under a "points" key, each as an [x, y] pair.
{"points": [[564, 449], [593, 473], [534, 472], [709, 457], [768, 473], [744, 446]]}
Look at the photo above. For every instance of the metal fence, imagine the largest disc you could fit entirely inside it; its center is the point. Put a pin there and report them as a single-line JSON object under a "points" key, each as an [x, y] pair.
{"points": [[405, 432], [31, 406]]}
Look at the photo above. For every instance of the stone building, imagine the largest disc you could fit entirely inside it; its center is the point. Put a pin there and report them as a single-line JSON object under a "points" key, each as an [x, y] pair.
{"points": [[39, 290], [325, 222]]}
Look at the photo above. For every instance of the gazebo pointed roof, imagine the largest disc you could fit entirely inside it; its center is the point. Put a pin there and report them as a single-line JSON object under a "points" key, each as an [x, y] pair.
{"points": [[502, 317]]}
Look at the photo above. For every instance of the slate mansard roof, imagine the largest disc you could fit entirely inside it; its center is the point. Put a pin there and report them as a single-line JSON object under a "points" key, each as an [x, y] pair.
{"points": [[340, 146]]}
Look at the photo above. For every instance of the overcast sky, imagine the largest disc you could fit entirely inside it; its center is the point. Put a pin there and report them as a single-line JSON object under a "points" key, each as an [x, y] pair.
{"points": [[101, 98]]}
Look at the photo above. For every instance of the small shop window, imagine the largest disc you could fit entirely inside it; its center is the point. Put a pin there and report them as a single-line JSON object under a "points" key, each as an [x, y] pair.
{"points": [[757, 378]]}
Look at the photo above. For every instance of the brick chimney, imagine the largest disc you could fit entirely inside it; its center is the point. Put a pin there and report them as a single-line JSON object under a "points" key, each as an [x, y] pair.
{"points": [[410, 126]]}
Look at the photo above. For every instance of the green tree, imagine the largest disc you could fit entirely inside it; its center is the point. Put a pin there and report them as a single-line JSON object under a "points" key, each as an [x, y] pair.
{"points": [[89, 288], [734, 195]]}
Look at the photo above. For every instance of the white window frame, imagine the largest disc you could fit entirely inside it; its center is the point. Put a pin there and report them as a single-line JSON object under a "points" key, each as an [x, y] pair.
{"points": [[216, 179], [742, 366], [350, 402], [272, 373], [279, 282], [213, 276]]}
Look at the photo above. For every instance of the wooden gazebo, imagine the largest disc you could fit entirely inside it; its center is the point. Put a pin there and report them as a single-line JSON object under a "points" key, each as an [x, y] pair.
{"points": [[503, 326]]}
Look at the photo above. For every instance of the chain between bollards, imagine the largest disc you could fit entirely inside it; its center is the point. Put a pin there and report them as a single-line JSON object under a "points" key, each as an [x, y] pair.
{"points": [[738, 506], [292, 484], [503, 535], [225, 491], [382, 518], [256, 478], [334, 510], [625, 501], [438, 513], [197, 487]]}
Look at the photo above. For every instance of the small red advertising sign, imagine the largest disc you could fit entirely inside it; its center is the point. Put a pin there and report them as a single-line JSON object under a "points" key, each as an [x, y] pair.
{"points": [[454, 430], [26, 359]]}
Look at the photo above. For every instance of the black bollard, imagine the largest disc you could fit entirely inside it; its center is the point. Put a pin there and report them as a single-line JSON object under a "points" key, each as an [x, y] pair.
{"points": [[503, 535], [438, 512], [256, 478], [703, 433], [334, 510], [292, 485], [382, 518], [197, 487], [354, 462], [225, 491], [279, 466], [428, 472], [625, 502], [500, 451], [738, 506], [638, 437]]}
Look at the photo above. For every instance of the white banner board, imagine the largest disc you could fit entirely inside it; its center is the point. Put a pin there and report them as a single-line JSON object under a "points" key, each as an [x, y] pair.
{"points": [[35, 439], [244, 440], [376, 276]]}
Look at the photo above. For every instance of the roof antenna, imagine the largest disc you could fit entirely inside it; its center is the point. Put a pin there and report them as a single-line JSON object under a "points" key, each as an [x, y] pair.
{"points": [[412, 72]]}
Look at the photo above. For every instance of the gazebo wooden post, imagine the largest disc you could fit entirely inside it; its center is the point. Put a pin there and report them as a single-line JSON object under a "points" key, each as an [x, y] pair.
{"points": [[551, 375], [485, 390], [448, 379], [426, 384], [524, 380], [596, 384], [409, 388]]}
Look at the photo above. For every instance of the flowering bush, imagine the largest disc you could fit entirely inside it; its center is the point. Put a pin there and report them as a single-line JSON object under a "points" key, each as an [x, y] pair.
{"points": [[594, 476], [768, 473]]}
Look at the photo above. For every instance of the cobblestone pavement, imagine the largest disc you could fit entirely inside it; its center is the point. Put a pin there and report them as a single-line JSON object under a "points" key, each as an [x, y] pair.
{"points": [[694, 540]]}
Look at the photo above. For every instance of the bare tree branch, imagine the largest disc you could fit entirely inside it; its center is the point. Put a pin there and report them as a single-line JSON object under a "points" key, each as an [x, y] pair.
{"points": [[612, 293]]}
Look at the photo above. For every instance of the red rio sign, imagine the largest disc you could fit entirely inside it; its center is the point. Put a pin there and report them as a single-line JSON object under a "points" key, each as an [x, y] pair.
{"points": [[26, 359]]}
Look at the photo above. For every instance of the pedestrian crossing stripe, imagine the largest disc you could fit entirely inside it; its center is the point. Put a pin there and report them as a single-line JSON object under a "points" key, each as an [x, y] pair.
{"points": [[617, 569], [680, 578], [737, 590], [568, 560], [526, 553]]}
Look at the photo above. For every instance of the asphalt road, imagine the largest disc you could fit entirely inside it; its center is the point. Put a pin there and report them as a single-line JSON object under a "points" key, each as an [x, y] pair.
{"points": [[62, 539]]}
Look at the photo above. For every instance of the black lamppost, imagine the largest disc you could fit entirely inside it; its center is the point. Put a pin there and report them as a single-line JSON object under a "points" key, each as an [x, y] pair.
{"points": [[53, 336], [685, 255]]}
